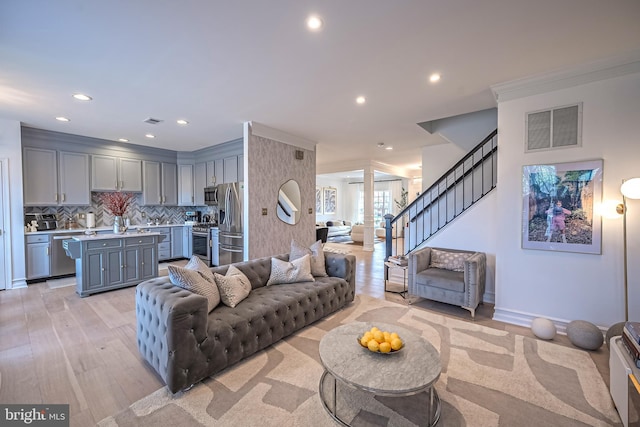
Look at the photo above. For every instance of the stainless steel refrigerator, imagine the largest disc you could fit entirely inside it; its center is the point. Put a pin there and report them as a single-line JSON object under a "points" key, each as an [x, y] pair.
{"points": [[231, 227]]}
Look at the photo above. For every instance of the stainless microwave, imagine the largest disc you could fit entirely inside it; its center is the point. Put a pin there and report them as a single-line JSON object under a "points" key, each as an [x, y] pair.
{"points": [[211, 196]]}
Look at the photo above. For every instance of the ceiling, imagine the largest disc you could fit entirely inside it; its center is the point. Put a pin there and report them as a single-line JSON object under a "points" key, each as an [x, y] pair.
{"points": [[218, 64]]}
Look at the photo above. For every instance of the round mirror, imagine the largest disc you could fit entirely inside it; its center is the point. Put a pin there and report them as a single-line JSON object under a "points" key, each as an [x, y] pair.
{"points": [[288, 208]]}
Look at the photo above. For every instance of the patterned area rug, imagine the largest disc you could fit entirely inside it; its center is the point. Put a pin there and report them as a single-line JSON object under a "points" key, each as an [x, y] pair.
{"points": [[489, 378], [336, 248]]}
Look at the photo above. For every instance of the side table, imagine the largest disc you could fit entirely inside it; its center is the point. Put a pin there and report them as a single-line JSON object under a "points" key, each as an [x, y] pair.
{"points": [[405, 268]]}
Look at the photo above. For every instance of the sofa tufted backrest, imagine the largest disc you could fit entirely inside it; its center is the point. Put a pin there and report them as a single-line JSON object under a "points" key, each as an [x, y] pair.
{"points": [[257, 270]]}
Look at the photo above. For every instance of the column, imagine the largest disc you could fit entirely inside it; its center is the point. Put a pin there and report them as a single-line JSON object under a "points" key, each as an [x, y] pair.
{"points": [[367, 243]]}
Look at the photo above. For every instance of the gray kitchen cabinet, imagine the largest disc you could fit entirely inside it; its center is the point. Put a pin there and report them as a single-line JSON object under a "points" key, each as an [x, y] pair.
{"points": [[187, 242], [108, 263], [240, 168], [186, 196], [73, 173], [160, 183], [219, 171], [55, 178], [38, 254], [231, 169], [164, 248], [199, 182], [177, 242], [211, 174], [111, 173]]}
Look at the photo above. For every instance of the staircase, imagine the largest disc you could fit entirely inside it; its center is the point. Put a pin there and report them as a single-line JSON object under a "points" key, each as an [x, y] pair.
{"points": [[454, 192]]}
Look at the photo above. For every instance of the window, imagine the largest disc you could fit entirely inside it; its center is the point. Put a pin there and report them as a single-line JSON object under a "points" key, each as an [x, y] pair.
{"points": [[381, 206]]}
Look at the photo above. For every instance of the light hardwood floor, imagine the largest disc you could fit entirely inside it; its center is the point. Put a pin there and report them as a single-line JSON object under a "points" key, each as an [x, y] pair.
{"points": [[56, 347]]}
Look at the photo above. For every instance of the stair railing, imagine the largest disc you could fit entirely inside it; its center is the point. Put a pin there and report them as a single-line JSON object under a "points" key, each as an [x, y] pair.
{"points": [[455, 191]]}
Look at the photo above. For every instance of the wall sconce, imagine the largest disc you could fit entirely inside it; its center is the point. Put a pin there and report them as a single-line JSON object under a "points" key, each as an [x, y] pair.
{"points": [[630, 189]]}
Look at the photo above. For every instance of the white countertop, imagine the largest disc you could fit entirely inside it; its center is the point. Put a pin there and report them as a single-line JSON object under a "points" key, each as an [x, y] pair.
{"points": [[83, 237], [104, 228]]}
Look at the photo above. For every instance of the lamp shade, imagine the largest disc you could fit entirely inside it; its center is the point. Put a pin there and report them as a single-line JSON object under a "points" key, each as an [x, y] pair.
{"points": [[631, 188]]}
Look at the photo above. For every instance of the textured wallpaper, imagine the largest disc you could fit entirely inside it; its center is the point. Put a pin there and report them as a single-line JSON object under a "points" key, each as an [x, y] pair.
{"points": [[270, 164]]}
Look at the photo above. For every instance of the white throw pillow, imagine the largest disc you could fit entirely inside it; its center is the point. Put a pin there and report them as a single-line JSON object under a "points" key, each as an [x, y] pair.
{"points": [[283, 272], [316, 253], [234, 286], [195, 281]]}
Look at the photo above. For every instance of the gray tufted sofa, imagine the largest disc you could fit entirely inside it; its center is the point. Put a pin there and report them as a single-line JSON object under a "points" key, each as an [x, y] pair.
{"points": [[185, 344]]}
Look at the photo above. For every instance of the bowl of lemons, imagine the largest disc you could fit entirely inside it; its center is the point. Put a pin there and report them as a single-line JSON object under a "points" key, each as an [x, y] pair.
{"points": [[382, 342]]}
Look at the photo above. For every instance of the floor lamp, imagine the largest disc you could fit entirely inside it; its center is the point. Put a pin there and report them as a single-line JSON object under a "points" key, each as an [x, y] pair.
{"points": [[630, 189]]}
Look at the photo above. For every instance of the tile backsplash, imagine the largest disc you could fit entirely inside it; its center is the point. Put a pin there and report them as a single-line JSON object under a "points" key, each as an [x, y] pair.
{"points": [[171, 214]]}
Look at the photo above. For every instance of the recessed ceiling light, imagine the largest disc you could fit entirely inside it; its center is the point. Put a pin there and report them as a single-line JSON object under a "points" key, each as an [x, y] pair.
{"points": [[388, 148], [434, 77], [123, 140], [380, 144], [182, 122], [62, 119], [82, 97], [150, 135], [314, 23], [361, 100]]}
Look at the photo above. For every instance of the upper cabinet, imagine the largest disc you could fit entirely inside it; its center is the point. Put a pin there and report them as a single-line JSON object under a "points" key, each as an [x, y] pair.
{"points": [[200, 181], [211, 174], [55, 178], [186, 196], [160, 183], [230, 169], [115, 174]]}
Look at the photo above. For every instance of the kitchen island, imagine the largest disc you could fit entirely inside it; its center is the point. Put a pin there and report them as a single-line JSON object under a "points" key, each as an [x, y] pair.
{"points": [[111, 261]]}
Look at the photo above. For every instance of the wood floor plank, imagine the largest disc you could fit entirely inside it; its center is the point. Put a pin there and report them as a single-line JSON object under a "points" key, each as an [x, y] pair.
{"points": [[18, 379]]}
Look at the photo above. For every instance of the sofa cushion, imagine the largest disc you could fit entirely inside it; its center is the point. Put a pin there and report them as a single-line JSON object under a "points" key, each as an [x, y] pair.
{"points": [[441, 278], [195, 281], [298, 270], [314, 251], [234, 286], [453, 261]]}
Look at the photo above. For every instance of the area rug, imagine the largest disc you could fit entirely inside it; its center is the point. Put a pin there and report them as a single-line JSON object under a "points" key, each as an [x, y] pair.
{"points": [[489, 378]]}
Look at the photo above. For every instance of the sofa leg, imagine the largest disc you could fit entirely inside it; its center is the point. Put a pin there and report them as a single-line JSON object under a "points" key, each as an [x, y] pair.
{"points": [[473, 312]]}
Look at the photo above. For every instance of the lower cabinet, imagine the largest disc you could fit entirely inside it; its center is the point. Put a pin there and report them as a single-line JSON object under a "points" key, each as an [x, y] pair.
{"points": [[112, 263], [38, 256]]}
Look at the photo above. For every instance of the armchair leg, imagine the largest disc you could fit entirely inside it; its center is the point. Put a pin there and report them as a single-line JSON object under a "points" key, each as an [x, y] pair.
{"points": [[473, 312]]}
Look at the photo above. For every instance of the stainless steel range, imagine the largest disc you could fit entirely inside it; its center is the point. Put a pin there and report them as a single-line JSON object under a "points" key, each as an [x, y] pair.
{"points": [[204, 246]]}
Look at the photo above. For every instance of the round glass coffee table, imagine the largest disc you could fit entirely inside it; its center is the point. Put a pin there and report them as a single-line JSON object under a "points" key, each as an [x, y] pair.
{"points": [[414, 369]]}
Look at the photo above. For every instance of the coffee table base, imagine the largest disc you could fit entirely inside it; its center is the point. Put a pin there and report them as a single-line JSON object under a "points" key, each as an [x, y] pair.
{"points": [[433, 406]]}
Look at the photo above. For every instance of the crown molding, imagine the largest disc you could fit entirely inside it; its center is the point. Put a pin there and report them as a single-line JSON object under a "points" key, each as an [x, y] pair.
{"points": [[277, 135], [353, 165], [569, 77]]}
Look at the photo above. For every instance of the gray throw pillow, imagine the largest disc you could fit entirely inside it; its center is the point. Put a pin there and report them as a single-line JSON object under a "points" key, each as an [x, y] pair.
{"points": [[283, 272], [453, 261], [316, 253], [194, 281], [234, 286]]}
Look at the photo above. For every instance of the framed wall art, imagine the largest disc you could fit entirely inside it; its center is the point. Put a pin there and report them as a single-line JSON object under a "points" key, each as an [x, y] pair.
{"points": [[558, 202], [330, 195], [319, 204]]}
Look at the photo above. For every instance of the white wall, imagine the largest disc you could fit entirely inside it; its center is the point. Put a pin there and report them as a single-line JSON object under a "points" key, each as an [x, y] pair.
{"points": [[437, 159], [476, 229], [11, 148], [559, 285], [466, 130], [344, 210]]}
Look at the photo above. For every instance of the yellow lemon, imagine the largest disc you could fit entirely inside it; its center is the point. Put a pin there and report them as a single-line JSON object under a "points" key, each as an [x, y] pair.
{"points": [[375, 328], [368, 335], [387, 336], [364, 341], [378, 336], [396, 344], [394, 335], [385, 347], [373, 345]]}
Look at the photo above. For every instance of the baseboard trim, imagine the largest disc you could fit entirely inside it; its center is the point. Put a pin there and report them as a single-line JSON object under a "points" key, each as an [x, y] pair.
{"points": [[520, 318], [18, 283], [489, 298]]}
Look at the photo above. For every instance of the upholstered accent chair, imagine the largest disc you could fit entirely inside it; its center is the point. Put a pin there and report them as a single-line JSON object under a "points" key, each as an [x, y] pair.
{"points": [[451, 276]]}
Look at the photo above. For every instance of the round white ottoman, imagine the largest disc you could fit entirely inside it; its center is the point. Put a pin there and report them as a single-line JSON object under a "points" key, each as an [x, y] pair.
{"points": [[357, 233], [543, 328], [584, 334]]}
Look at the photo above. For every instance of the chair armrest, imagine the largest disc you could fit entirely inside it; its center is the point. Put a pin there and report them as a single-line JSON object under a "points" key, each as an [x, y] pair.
{"points": [[474, 278], [418, 261], [171, 325]]}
